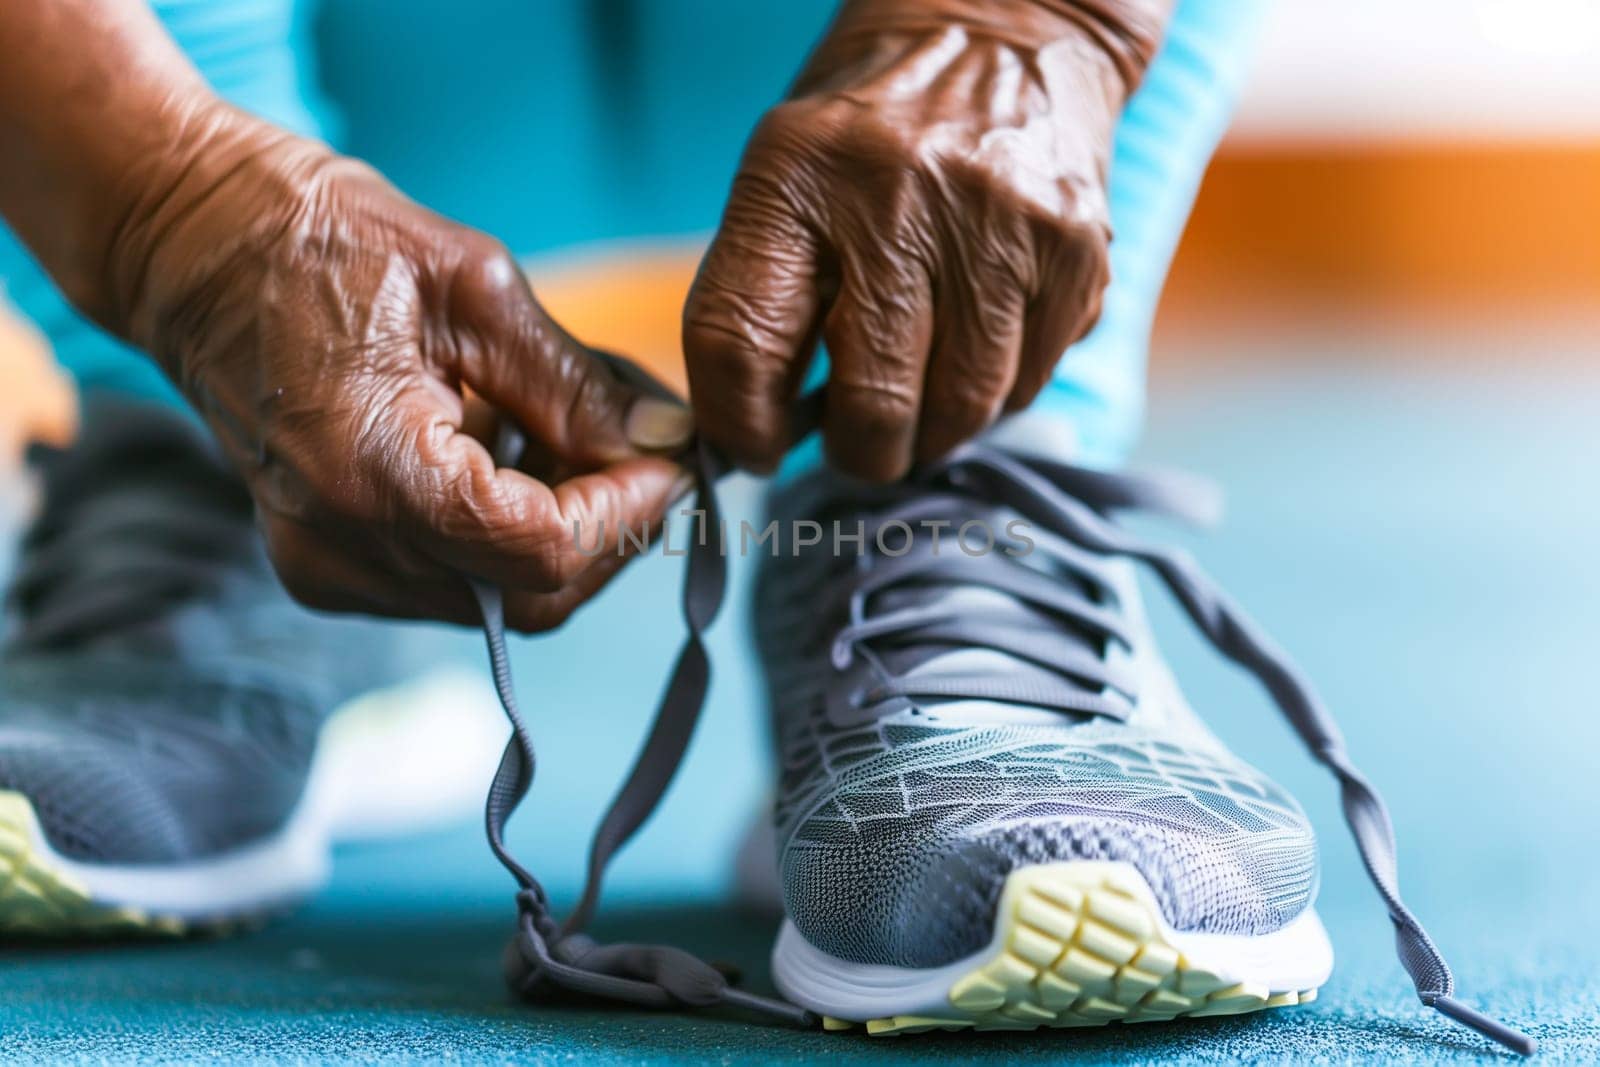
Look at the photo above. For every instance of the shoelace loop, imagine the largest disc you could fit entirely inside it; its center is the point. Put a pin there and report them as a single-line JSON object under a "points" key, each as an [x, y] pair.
{"points": [[546, 954]]}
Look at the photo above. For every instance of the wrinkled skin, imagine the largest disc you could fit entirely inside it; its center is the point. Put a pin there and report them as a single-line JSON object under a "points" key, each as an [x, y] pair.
{"points": [[931, 202], [335, 336]]}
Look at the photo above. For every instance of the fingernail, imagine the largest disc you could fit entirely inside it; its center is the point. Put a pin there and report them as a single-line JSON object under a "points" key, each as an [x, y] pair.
{"points": [[659, 425]]}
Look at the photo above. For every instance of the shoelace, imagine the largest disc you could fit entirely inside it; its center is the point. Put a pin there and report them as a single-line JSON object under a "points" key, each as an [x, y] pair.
{"points": [[547, 955], [1072, 673]]}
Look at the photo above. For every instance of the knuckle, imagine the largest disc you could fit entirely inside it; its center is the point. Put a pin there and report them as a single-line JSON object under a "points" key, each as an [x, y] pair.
{"points": [[874, 408], [784, 159], [1082, 233], [722, 334], [873, 139], [489, 269], [802, 127], [983, 178], [992, 325], [735, 367], [969, 401], [1075, 267], [474, 508], [885, 326], [732, 330], [784, 126]]}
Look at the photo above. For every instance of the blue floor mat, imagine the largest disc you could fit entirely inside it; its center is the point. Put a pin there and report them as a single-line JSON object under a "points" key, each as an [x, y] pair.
{"points": [[1423, 544]]}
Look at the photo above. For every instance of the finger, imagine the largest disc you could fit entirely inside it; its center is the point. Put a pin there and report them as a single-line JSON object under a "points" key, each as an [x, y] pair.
{"points": [[976, 353], [328, 576], [558, 390], [539, 612], [322, 573], [485, 424], [1063, 312], [749, 324], [877, 332], [502, 526]]}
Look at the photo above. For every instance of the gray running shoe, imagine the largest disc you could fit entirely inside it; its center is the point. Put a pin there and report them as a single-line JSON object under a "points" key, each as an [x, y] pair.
{"points": [[162, 700], [995, 808]]}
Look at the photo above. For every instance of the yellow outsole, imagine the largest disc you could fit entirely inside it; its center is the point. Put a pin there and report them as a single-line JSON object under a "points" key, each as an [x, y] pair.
{"points": [[1082, 947], [37, 901]]}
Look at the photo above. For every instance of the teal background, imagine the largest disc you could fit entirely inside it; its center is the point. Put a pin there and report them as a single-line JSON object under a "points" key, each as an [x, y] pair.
{"points": [[550, 124]]}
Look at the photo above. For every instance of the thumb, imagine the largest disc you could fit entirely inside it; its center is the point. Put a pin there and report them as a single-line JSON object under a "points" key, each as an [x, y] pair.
{"points": [[563, 394]]}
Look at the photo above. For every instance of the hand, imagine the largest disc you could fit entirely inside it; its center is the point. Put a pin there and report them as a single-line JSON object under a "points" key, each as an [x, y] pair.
{"points": [[930, 199], [330, 330]]}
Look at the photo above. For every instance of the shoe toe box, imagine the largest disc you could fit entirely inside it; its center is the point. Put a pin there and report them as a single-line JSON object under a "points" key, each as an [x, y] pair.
{"points": [[914, 882]]}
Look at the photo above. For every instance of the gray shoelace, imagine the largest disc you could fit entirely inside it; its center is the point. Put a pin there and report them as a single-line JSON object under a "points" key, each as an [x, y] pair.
{"points": [[1068, 502]]}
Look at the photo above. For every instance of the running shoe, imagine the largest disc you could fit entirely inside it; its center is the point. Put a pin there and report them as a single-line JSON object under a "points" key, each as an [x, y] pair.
{"points": [[163, 703], [995, 808]]}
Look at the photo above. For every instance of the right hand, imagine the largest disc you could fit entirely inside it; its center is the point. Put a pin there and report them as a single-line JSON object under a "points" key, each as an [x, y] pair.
{"points": [[330, 330]]}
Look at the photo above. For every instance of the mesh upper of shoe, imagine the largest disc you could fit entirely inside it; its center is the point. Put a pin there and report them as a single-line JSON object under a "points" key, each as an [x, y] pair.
{"points": [[896, 831], [123, 765], [160, 695]]}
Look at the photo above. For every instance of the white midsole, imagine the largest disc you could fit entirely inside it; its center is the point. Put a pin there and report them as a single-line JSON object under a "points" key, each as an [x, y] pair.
{"points": [[1296, 957], [274, 871], [295, 861]]}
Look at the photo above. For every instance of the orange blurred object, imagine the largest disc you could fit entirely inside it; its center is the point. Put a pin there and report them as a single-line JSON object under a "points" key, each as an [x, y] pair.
{"points": [[1421, 231], [627, 299], [38, 402]]}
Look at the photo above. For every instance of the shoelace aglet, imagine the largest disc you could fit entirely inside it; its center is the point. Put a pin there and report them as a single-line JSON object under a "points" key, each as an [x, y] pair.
{"points": [[1493, 1029]]}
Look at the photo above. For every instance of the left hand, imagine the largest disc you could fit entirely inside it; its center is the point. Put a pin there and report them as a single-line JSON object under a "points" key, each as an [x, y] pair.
{"points": [[931, 199]]}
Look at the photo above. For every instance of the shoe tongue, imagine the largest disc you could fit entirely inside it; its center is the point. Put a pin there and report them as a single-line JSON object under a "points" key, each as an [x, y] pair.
{"points": [[977, 603], [823, 496]]}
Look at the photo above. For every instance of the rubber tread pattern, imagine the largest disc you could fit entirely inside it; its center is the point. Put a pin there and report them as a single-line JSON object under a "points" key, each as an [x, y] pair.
{"points": [[1083, 947]]}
